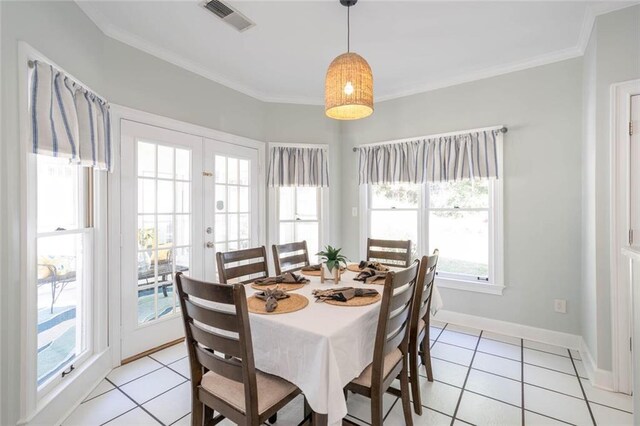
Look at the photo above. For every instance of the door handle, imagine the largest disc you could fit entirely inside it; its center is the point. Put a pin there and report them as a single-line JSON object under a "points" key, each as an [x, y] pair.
{"points": [[209, 244]]}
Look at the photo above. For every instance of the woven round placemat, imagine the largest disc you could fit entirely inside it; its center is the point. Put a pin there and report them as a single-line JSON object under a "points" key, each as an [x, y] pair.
{"points": [[353, 267], [282, 286], [356, 301], [293, 303], [316, 273]]}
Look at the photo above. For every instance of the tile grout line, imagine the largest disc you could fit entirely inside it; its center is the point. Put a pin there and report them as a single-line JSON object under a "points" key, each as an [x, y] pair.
{"points": [[173, 362], [549, 417], [437, 337], [582, 388], [391, 408], [522, 378], [609, 406], [455, 412], [180, 418], [135, 402]]}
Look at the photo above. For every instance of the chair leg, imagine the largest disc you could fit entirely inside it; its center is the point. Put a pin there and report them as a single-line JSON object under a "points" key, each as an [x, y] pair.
{"points": [[426, 358], [376, 409], [197, 412], [208, 414], [404, 389], [414, 376]]}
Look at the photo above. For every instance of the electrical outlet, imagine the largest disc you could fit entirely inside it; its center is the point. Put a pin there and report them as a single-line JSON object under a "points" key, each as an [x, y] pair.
{"points": [[560, 306], [354, 211]]}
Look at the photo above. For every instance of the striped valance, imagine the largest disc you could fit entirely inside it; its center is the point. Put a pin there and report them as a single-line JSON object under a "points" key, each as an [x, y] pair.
{"points": [[461, 156], [67, 120], [297, 166]]}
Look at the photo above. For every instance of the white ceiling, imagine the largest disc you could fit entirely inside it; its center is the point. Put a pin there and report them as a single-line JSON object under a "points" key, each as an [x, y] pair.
{"points": [[412, 46]]}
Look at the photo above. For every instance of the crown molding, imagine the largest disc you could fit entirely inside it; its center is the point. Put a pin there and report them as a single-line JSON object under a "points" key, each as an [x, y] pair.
{"points": [[152, 49], [588, 23]]}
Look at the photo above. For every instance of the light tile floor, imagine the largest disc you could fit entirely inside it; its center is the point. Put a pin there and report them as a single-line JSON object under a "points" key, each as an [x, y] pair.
{"points": [[481, 378]]}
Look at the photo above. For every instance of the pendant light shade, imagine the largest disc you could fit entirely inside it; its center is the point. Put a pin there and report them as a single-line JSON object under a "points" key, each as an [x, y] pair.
{"points": [[348, 86], [348, 90]]}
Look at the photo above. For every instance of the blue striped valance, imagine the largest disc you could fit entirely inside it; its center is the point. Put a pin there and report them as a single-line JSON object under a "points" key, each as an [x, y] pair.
{"points": [[67, 120], [462, 156], [297, 166]]}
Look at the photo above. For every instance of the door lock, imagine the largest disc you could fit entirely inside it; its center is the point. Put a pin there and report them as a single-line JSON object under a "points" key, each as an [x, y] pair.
{"points": [[209, 230], [209, 244]]}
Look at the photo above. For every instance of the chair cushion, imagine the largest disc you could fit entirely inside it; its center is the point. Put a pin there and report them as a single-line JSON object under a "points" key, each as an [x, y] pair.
{"points": [[390, 361], [271, 390]]}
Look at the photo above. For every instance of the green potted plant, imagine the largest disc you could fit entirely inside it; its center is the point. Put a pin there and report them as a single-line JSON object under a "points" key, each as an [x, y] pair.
{"points": [[331, 261]]}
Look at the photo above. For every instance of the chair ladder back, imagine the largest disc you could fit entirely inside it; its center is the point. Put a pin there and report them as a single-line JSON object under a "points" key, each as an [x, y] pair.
{"points": [[290, 257], [426, 278], [227, 352], [389, 252], [393, 323], [244, 263]]}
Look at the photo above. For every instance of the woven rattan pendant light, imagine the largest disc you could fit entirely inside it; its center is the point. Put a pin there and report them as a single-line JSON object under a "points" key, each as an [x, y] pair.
{"points": [[348, 89]]}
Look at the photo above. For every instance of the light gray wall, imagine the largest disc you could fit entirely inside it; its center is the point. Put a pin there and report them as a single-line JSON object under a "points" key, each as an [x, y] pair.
{"points": [[142, 81], [288, 123], [126, 76], [63, 32], [542, 166], [613, 56]]}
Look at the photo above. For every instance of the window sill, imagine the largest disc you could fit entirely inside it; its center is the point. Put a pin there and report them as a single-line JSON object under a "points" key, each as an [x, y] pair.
{"points": [[474, 286]]}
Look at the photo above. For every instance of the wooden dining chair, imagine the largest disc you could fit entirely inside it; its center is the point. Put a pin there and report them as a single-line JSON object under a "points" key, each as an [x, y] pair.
{"points": [[223, 373], [389, 252], [419, 343], [290, 257], [391, 345], [245, 266]]}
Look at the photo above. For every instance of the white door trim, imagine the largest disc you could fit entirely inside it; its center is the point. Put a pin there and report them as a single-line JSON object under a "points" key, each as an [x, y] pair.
{"points": [[118, 113], [620, 222]]}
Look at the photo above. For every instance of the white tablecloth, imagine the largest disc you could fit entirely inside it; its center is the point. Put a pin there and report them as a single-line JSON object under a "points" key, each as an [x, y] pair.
{"points": [[320, 348]]}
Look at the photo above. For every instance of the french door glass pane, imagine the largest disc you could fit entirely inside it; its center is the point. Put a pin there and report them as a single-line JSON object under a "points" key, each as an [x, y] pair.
{"points": [[60, 302], [146, 196], [459, 194], [232, 207], [146, 159], [463, 240], [165, 162], [164, 226]]}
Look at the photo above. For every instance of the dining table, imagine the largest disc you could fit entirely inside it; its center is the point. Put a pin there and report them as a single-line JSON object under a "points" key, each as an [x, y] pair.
{"points": [[320, 348]]}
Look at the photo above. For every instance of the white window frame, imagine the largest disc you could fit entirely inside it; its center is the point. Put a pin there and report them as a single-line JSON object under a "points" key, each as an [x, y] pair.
{"points": [[88, 234], [323, 206], [52, 402], [495, 285]]}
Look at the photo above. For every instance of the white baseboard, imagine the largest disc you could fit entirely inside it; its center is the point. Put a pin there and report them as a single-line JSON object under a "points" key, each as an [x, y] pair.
{"points": [[558, 338], [598, 377]]}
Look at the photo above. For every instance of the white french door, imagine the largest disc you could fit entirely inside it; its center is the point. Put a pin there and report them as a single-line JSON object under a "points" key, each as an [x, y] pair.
{"points": [[231, 194], [160, 231], [183, 198]]}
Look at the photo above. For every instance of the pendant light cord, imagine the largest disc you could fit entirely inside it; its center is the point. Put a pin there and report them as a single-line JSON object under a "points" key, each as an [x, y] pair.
{"points": [[348, 29]]}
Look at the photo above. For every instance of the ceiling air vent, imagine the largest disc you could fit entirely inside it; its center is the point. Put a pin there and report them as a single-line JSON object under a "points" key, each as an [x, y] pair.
{"points": [[229, 15]]}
